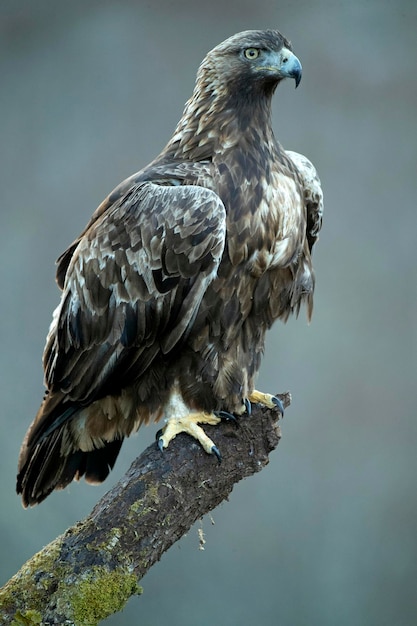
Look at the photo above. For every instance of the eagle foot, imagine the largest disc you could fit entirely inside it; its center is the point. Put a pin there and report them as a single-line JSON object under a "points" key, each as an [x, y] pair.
{"points": [[190, 424], [266, 399]]}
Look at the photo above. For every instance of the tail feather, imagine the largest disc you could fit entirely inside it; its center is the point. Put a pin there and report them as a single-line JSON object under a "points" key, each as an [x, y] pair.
{"points": [[95, 465], [47, 469], [50, 459]]}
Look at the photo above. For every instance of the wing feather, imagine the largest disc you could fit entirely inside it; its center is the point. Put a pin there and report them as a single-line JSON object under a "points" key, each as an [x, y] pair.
{"points": [[133, 286], [313, 195]]}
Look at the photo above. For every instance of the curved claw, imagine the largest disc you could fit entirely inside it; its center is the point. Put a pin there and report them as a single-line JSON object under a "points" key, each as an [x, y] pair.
{"points": [[248, 406], [216, 452], [278, 404], [225, 415], [159, 440]]}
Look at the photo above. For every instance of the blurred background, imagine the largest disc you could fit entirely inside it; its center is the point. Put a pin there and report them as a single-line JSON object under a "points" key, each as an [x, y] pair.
{"points": [[90, 93]]}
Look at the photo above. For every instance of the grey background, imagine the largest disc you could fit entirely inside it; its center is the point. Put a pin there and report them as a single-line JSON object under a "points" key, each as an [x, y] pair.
{"points": [[90, 92]]}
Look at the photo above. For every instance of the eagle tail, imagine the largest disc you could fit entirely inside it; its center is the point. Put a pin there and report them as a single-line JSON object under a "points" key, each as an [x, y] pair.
{"points": [[49, 461]]}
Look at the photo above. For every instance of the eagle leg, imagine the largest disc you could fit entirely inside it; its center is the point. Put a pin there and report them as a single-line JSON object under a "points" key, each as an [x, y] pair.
{"points": [[267, 399], [190, 424]]}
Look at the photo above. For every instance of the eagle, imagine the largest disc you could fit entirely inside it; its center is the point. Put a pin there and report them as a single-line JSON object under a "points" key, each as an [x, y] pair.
{"points": [[169, 290]]}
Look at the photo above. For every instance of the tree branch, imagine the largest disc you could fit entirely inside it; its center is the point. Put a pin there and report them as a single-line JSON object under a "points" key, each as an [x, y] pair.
{"points": [[91, 570]]}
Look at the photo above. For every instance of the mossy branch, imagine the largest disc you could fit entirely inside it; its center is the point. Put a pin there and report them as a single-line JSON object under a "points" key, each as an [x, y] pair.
{"points": [[90, 571]]}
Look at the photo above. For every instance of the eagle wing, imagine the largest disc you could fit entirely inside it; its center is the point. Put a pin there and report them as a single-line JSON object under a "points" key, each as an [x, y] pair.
{"points": [[313, 195], [133, 287]]}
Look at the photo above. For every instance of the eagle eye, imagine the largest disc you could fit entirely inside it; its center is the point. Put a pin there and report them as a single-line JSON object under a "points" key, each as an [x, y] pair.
{"points": [[251, 53]]}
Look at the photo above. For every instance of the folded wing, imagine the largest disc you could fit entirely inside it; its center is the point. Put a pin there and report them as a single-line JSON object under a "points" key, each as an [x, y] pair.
{"points": [[132, 289]]}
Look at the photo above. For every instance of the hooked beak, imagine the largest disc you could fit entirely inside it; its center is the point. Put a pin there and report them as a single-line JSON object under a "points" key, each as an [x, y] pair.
{"points": [[290, 66], [282, 64]]}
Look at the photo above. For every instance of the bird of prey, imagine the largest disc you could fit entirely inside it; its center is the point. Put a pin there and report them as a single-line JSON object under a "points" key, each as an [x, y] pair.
{"points": [[168, 292]]}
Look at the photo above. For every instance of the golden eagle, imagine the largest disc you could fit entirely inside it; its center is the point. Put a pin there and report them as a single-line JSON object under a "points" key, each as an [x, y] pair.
{"points": [[169, 290]]}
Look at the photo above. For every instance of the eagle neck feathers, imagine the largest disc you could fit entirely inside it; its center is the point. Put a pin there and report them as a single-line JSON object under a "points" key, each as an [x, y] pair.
{"points": [[220, 117]]}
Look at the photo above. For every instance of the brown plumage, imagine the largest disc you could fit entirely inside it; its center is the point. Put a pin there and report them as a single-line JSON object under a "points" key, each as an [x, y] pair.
{"points": [[168, 292]]}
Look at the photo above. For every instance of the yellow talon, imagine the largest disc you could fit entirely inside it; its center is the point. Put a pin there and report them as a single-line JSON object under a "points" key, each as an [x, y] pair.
{"points": [[262, 398], [267, 399], [190, 424]]}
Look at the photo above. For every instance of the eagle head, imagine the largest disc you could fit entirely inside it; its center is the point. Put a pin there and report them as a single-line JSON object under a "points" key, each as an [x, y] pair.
{"points": [[233, 92], [252, 59]]}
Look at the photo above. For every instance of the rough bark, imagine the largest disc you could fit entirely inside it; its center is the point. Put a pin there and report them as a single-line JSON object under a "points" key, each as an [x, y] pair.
{"points": [[91, 570]]}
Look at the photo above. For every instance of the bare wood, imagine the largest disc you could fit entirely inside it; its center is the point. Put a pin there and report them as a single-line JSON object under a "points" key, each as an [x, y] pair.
{"points": [[90, 571]]}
